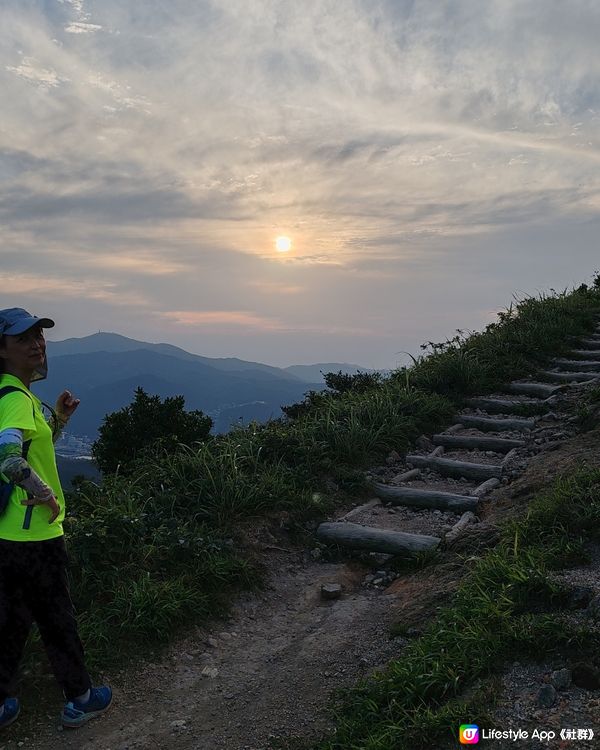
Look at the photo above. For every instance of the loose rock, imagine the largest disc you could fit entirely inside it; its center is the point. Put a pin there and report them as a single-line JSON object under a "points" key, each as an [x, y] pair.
{"points": [[546, 696], [331, 591], [561, 679]]}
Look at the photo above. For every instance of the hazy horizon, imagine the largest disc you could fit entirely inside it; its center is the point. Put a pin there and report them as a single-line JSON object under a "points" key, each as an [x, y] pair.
{"points": [[427, 160], [51, 338]]}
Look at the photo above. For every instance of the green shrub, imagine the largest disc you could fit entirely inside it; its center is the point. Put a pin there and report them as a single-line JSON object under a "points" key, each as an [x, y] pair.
{"points": [[126, 434]]}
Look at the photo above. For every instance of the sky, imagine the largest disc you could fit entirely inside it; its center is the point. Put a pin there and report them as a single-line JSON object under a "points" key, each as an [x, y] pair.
{"points": [[430, 162]]}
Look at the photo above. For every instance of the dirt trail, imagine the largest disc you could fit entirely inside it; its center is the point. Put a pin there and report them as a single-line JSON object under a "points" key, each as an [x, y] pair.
{"points": [[276, 661]]}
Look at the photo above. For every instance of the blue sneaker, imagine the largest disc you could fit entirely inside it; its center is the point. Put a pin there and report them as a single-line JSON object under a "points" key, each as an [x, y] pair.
{"points": [[74, 714], [12, 708]]}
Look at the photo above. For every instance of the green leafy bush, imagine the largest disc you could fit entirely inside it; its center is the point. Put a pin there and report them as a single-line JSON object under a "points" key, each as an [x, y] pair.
{"points": [[126, 434]]}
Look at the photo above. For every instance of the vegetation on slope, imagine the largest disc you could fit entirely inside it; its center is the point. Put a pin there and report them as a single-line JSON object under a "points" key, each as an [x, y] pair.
{"points": [[159, 544]]}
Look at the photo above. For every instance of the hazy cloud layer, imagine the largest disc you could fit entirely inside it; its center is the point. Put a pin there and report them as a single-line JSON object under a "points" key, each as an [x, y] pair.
{"points": [[426, 158]]}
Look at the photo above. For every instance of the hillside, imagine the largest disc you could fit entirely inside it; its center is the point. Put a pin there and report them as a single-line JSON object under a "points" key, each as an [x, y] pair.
{"points": [[105, 369], [421, 553]]}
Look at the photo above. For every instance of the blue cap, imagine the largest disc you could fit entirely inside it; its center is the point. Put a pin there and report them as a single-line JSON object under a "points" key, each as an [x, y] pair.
{"points": [[15, 320]]}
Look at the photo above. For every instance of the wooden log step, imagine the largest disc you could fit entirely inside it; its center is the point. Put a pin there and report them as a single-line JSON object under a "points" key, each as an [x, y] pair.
{"points": [[574, 364], [480, 442], [588, 353], [489, 424], [450, 468], [544, 390], [570, 377], [590, 343], [424, 498], [406, 476], [360, 509], [503, 406], [354, 536], [460, 526], [487, 486]]}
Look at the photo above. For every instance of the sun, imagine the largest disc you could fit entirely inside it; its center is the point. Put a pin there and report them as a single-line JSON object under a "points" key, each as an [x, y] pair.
{"points": [[283, 244]]}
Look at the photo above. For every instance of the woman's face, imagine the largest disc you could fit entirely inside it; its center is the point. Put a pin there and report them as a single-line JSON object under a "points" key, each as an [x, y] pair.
{"points": [[23, 352]]}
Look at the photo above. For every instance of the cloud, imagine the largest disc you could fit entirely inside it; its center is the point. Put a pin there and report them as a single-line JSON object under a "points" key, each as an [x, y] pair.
{"points": [[229, 318], [47, 287], [236, 319], [79, 27], [162, 152], [274, 287], [32, 72]]}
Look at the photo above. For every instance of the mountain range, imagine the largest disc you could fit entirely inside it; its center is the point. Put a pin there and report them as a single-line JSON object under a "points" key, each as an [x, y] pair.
{"points": [[104, 369]]}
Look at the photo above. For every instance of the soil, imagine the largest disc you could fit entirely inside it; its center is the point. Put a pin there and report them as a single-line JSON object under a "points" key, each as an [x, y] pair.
{"points": [[266, 672], [265, 676]]}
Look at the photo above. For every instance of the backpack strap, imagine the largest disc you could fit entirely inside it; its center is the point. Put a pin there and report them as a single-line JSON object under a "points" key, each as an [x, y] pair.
{"points": [[6, 488]]}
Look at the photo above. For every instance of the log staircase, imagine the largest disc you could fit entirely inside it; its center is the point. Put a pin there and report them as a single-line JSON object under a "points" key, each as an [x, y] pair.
{"points": [[488, 437]]}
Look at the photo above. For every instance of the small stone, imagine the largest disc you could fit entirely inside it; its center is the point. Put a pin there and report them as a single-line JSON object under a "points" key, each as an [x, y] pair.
{"points": [[331, 591], [546, 696], [561, 679], [377, 581], [178, 724], [370, 578], [225, 636], [212, 642], [424, 443], [392, 458], [209, 672]]}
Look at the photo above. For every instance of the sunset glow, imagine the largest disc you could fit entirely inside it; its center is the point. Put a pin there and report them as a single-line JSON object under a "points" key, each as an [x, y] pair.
{"points": [[283, 244]]}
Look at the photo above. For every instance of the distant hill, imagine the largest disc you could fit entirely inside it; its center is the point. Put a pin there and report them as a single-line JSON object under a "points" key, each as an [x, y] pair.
{"points": [[69, 468], [114, 342], [104, 370]]}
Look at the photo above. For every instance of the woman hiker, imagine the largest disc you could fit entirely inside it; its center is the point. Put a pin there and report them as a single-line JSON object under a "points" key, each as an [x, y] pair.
{"points": [[33, 558]]}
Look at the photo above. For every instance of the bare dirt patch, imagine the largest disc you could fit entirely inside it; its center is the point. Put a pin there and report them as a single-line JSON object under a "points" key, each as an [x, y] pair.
{"points": [[268, 671]]}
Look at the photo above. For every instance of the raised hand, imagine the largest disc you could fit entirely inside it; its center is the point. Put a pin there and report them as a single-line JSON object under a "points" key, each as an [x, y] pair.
{"points": [[66, 405]]}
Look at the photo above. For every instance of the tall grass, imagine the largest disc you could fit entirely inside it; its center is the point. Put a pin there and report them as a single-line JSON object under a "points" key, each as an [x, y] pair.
{"points": [[523, 338]]}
